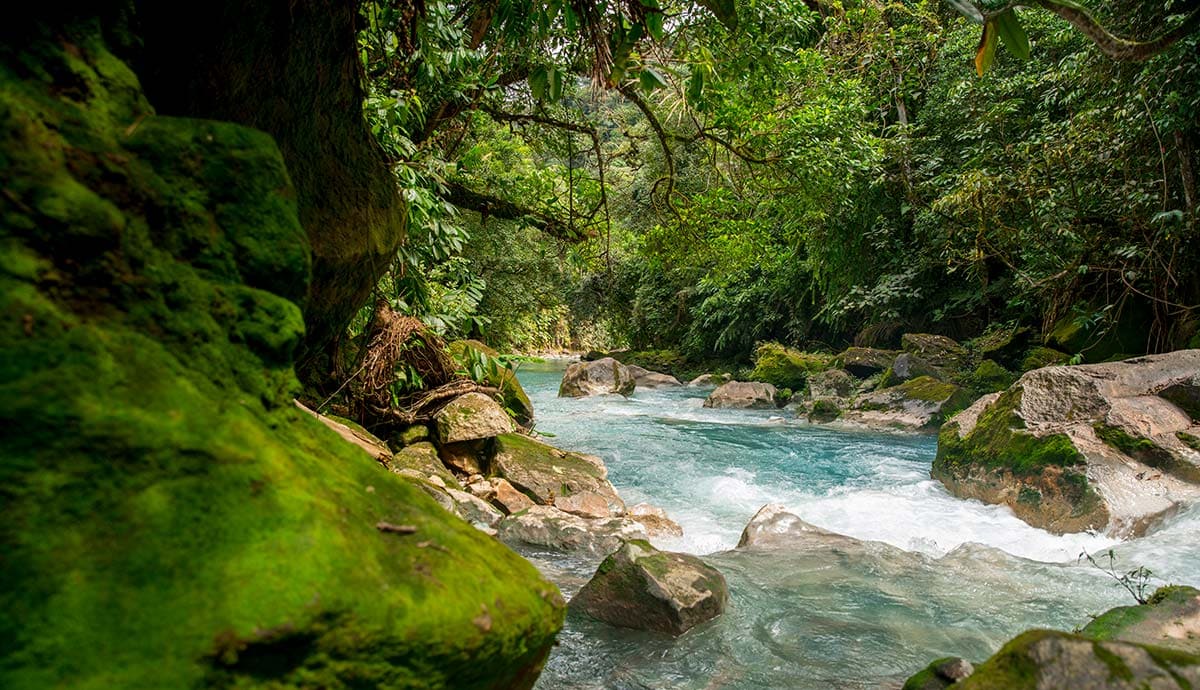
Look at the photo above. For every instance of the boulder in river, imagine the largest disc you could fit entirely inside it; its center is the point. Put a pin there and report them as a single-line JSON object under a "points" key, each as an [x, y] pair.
{"points": [[864, 362], [550, 527], [1092, 447], [546, 474], [655, 520], [640, 587], [709, 380], [646, 379], [1171, 619], [832, 383], [742, 395], [603, 376], [773, 526], [919, 404], [941, 674], [471, 417], [785, 367]]}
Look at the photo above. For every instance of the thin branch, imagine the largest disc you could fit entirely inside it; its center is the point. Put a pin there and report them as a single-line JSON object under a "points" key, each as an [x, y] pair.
{"points": [[1114, 46], [632, 95]]}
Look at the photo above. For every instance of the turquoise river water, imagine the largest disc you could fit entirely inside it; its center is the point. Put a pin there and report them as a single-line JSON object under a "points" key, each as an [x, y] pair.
{"points": [[963, 577]]}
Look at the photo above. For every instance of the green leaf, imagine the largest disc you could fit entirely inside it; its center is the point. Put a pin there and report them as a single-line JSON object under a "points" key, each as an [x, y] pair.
{"points": [[1013, 34], [967, 9], [724, 10], [538, 82], [654, 24], [651, 80], [986, 53], [695, 87], [556, 85]]}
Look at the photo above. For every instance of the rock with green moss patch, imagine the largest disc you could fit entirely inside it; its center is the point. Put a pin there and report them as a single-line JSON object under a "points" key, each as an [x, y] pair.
{"points": [[602, 377], [908, 366], [710, 380], [919, 404], [640, 587], [423, 458], [1170, 619], [412, 434], [545, 473], [784, 367], [1039, 357], [990, 377], [549, 527], [936, 350], [1041, 659], [151, 458], [471, 417], [1089, 447], [832, 383], [743, 395], [864, 362], [940, 674], [824, 410]]}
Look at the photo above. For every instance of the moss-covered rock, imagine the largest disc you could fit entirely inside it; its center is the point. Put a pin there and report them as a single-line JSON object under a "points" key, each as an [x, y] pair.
{"points": [[824, 410], [151, 459], [1039, 357], [864, 362], [422, 457], [784, 367], [990, 377], [498, 375], [1170, 618], [641, 587], [938, 350], [920, 404], [545, 473], [940, 674], [471, 417]]}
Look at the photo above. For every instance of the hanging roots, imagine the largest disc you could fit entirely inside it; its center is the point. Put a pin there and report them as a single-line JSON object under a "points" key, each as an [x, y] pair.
{"points": [[398, 341]]}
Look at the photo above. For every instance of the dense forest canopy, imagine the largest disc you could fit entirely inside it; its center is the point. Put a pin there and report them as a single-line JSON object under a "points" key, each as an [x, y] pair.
{"points": [[816, 173]]}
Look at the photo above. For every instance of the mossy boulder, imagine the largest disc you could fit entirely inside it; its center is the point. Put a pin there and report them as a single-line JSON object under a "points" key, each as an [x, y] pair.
{"points": [[545, 473], [499, 375], [784, 367], [1003, 343], [824, 410], [602, 377], [990, 377], [1170, 618], [937, 350], [170, 519], [471, 417], [1039, 357], [919, 404], [743, 395], [940, 674], [640, 587], [1090, 447], [865, 362], [832, 383], [422, 457]]}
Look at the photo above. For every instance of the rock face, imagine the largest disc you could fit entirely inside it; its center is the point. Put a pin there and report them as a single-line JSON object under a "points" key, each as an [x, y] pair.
{"points": [[641, 587], [919, 404], [550, 527], [864, 362], [1083, 447], [1170, 619], [471, 417], [743, 395], [1048, 659], [547, 474], [603, 376], [644, 378]]}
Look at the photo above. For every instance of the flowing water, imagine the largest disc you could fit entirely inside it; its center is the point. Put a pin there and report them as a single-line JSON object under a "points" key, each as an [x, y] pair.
{"points": [[939, 576]]}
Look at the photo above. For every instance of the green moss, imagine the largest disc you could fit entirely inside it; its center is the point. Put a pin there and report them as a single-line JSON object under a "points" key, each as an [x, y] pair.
{"points": [[1122, 441], [1146, 451], [1029, 496], [1117, 668], [990, 377], [1188, 440], [1010, 668], [1039, 357], [928, 678], [824, 411], [169, 520], [784, 367], [928, 389]]}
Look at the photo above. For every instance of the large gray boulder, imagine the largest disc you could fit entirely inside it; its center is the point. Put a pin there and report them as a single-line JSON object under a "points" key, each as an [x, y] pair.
{"points": [[471, 417], [601, 377], [1094, 447], [641, 587], [920, 404], [742, 395], [646, 379], [774, 527], [547, 526], [547, 474]]}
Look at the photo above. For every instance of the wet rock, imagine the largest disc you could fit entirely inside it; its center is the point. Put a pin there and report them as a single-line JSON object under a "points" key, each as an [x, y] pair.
{"points": [[646, 379], [550, 527], [1078, 448], [1049, 659], [710, 380], [601, 377], [641, 587], [508, 499], [864, 362], [916, 405], [1170, 619], [655, 520], [824, 410], [773, 526], [743, 395], [833, 383], [588, 504], [423, 458], [940, 674], [548, 474], [474, 509], [471, 417]]}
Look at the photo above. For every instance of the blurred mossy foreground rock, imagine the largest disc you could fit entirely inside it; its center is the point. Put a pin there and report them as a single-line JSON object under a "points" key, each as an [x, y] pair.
{"points": [[641, 587], [1073, 448], [601, 377], [169, 519]]}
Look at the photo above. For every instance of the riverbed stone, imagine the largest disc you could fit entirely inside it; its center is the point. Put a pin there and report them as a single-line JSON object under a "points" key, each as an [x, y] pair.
{"points": [[743, 395], [423, 458], [940, 674], [474, 509], [710, 380], [547, 474], [773, 526], [508, 499], [471, 417], [640, 587], [550, 527], [832, 383], [1091, 447], [601, 377], [468, 457], [655, 520], [588, 504], [646, 379]]}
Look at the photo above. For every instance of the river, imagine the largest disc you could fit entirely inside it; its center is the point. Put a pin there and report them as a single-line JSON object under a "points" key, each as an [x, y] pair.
{"points": [[963, 577]]}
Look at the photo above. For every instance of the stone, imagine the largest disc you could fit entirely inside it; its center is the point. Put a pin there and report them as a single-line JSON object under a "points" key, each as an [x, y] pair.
{"points": [[413, 434], [1039, 357], [508, 499], [588, 504], [824, 410], [864, 362], [743, 395], [471, 417], [773, 527], [550, 527], [935, 350], [909, 366], [832, 383], [709, 380], [920, 404], [423, 458], [601, 377], [482, 488], [940, 674], [468, 457], [497, 374], [1169, 619], [784, 367], [655, 520], [1090, 447], [640, 587], [646, 379], [474, 509], [548, 474]]}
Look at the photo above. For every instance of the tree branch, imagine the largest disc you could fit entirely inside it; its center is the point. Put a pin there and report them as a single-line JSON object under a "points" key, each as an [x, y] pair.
{"points": [[632, 95], [489, 205], [1114, 46]]}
